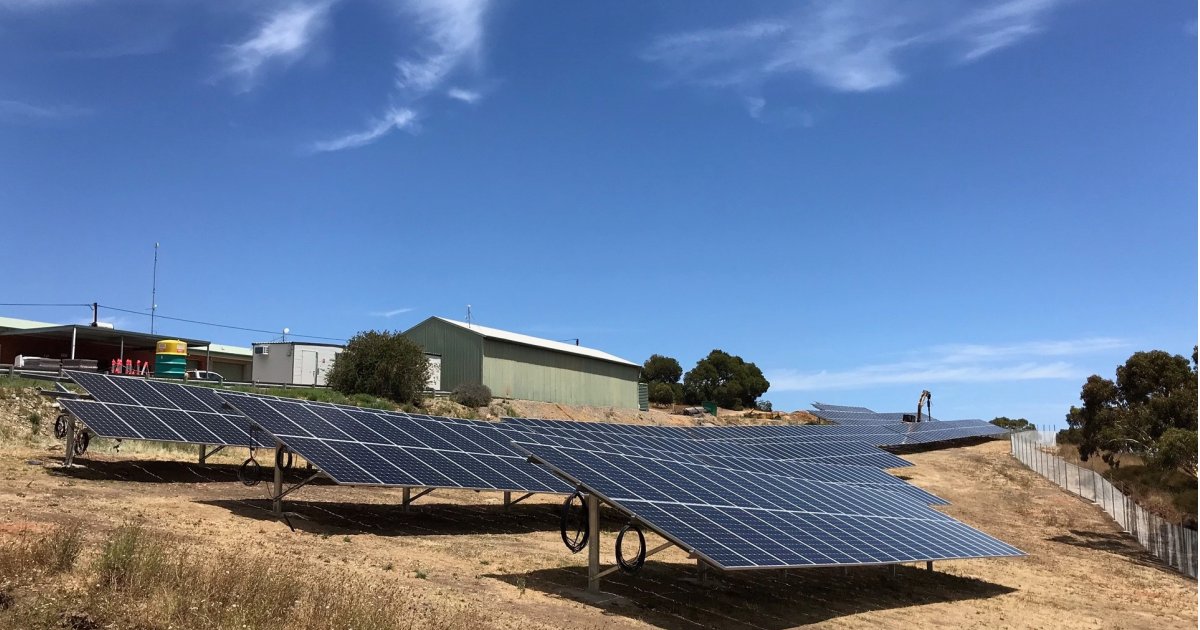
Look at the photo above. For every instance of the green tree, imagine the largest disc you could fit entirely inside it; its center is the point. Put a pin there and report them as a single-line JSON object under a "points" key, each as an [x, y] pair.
{"points": [[726, 379], [381, 363], [661, 369], [1013, 424], [1150, 410], [662, 393]]}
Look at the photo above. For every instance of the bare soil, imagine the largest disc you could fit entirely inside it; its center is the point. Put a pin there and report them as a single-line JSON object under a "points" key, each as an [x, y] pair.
{"points": [[466, 549]]}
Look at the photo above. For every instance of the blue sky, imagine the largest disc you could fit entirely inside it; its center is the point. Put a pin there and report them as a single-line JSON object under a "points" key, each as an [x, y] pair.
{"points": [[988, 199]]}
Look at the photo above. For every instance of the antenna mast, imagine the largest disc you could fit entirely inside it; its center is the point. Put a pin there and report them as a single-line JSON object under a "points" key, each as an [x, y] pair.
{"points": [[468, 316], [154, 289]]}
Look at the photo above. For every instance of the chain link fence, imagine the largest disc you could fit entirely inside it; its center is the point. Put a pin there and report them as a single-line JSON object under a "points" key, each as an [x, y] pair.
{"points": [[1173, 544]]}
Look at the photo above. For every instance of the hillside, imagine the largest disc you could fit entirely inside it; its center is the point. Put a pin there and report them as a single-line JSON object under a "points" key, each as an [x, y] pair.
{"points": [[459, 559]]}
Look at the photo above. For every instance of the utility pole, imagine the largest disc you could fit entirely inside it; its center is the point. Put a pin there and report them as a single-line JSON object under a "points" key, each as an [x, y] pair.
{"points": [[154, 289]]}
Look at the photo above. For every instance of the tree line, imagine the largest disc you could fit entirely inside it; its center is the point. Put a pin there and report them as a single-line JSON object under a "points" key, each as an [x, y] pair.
{"points": [[720, 377]]}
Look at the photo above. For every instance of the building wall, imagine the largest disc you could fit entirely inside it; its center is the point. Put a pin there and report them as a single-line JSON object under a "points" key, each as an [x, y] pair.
{"points": [[517, 371], [311, 364], [461, 351], [275, 366]]}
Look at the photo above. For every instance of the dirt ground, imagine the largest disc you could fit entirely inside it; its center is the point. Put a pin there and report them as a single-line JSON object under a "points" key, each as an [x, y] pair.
{"points": [[1081, 572]]}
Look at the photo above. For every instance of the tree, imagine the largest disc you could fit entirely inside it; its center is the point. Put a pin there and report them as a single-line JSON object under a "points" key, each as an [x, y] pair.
{"points": [[381, 363], [473, 395], [725, 379], [661, 369], [662, 393], [1149, 410], [1013, 424]]}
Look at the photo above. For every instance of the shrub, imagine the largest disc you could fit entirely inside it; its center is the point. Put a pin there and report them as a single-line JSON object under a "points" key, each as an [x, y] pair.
{"points": [[472, 395], [385, 364], [662, 393], [763, 405]]}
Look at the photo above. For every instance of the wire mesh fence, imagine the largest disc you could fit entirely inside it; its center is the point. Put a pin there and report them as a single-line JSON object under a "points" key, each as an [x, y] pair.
{"points": [[1173, 544]]}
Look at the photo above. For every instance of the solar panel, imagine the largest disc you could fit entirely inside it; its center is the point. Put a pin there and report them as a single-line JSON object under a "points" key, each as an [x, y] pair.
{"points": [[748, 520], [356, 446], [867, 476], [834, 452], [133, 408], [135, 422], [828, 407]]}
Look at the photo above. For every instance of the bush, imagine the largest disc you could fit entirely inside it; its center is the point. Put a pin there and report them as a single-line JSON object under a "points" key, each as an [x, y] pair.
{"points": [[472, 395], [763, 405], [384, 364], [662, 393]]}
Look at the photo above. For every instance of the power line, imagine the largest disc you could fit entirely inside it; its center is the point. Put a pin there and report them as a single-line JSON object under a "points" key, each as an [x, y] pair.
{"points": [[229, 326], [43, 304]]}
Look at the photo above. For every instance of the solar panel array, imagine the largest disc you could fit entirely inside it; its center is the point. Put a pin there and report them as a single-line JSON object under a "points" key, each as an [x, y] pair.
{"points": [[369, 447], [132, 408], [753, 520], [828, 407], [739, 497]]}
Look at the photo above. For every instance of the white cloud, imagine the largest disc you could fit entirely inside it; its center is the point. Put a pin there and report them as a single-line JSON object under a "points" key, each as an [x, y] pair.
{"points": [[466, 96], [845, 45], [13, 111], [453, 36], [389, 314], [956, 363], [282, 38], [395, 118]]}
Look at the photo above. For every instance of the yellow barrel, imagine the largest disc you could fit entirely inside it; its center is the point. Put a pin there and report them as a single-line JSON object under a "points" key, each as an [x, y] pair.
{"points": [[170, 358]]}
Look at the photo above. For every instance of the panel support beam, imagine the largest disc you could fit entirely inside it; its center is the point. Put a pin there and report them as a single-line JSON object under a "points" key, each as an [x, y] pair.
{"points": [[593, 510], [205, 453], [69, 456], [277, 495], [509, 501], [617, 567], [929, 565], [409, 497]]}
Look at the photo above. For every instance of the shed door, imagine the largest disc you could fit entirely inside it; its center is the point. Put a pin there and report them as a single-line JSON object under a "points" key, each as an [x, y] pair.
{"points": [[308, 368]]}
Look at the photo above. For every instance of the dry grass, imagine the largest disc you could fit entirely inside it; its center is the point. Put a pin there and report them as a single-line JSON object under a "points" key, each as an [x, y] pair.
{"points": [[138, 579]]}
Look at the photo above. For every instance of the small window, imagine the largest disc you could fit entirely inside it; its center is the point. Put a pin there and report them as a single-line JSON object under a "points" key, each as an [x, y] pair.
{"points": [[261, 350]]}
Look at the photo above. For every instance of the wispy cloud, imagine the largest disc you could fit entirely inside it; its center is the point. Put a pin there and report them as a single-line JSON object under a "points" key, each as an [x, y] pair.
{"points": [[452, 37], [845, 45], [390, 314], [395, 118], [282, 38], [467, 96], [956, 363], [17, 111]]}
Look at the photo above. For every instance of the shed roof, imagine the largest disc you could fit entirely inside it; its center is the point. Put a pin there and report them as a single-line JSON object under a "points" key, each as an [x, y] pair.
{"points": [[104, 335], [537, 342], [12, 323]]}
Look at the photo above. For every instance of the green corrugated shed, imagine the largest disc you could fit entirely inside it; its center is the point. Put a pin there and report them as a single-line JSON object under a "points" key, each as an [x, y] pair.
{"points": [[527, 368]]}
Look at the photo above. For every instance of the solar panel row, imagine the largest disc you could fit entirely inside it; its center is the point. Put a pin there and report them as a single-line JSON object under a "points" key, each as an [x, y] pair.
{"points": [[369, 447], [759, 520]]}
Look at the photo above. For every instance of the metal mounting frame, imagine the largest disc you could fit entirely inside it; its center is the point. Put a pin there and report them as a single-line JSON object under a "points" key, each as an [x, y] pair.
{"points": [[509, 501], [408, 497], [278, 493], [205, 453]]}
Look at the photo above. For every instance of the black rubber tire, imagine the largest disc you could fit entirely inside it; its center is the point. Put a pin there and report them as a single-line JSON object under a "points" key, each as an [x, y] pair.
{"points": [[81, 442], [250, 472], [640, 559], [60, 426], [580, 540]]}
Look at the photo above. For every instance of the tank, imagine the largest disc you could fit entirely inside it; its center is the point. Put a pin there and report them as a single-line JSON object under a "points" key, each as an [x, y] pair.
{"points": [[170, 358]]}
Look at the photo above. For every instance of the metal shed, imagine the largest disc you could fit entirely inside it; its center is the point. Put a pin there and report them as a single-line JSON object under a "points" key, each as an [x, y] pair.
{"points": [[519, 366]]}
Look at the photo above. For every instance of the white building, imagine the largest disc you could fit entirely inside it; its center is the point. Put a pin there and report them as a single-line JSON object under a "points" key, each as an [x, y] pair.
{"points": [[294, 362]]}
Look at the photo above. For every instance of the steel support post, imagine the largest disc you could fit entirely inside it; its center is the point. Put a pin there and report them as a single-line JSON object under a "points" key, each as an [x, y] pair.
{"points": [[277, 497], [507, 499], [405, 499], [69, 457], [929, 565], [203, 453], [593, 506]]}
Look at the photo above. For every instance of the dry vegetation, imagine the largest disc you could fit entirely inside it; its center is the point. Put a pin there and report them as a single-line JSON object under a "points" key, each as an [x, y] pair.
{"points": [[147, 538]]}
